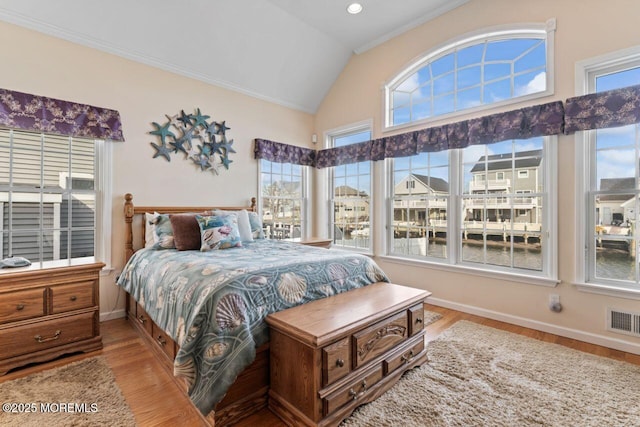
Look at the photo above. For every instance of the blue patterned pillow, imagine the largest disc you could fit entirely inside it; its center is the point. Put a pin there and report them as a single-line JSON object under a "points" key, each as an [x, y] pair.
{"points": [[219, 232], [163, 232], [256, 225]]}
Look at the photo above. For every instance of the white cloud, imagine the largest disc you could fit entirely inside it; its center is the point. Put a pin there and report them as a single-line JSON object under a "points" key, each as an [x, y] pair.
{"points": [[537, 84]]}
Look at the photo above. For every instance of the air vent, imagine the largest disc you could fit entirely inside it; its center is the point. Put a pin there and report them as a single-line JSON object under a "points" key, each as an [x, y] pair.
{"points": [[624, 322]]}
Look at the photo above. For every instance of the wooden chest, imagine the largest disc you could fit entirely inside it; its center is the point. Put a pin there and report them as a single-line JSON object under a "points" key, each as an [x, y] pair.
{"points": [[332, 355], [45, 313]]}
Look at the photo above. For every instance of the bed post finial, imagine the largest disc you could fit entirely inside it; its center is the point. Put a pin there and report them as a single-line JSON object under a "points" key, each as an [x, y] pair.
{"points": [[128, 219], [254, 202]]}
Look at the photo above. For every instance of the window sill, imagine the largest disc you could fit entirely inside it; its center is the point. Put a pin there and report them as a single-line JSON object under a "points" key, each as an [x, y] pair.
{"points": [[608, 290], [498, 275]]}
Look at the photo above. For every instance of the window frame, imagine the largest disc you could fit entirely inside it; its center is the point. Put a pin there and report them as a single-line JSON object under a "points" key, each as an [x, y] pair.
{"points": [[586, 72], [304, 199], [453, 262], [102, 179], [547, 30], [329, 137]]}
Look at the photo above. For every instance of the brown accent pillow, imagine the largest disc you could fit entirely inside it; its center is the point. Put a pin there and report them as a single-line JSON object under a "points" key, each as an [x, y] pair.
{"points": [[186, 232]]}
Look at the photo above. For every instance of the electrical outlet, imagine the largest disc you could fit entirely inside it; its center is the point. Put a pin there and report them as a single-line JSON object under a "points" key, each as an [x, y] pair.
{"points": [[554, 303]]}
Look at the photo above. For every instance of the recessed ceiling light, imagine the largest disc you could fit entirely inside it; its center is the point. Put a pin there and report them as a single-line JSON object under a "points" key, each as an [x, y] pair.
{"points": [[354, 8]]}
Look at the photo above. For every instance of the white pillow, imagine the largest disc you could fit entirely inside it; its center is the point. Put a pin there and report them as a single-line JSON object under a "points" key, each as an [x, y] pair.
{"points": [[150, 237], [244, 227]]}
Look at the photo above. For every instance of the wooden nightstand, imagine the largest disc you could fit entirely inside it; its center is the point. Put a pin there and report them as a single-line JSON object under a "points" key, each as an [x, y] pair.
{"points": [[317, 241], [331, 355], [47, 312]]}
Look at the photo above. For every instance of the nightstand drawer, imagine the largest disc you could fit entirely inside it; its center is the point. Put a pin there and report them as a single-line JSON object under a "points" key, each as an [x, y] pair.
{"points": [[71, 297], [43, 335], [21, 305], [379, 338], [336, 361]]}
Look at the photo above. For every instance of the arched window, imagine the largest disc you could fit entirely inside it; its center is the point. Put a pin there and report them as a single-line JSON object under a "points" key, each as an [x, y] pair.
{"points": [[490, 68]]}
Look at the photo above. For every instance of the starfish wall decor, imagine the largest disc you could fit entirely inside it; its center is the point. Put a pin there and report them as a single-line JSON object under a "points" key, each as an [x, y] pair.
{"points": [[202, 142]]}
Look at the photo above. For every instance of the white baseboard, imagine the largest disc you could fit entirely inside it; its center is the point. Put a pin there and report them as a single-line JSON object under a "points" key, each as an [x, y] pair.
{"points": [[115, 314], [614, 343]]}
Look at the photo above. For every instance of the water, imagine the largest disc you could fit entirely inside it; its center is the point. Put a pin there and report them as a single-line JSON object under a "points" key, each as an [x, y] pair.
{"points": [[610, 263]]}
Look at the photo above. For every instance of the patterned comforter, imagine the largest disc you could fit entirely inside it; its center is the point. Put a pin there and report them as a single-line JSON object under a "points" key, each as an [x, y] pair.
{"points": [[213, 304]]}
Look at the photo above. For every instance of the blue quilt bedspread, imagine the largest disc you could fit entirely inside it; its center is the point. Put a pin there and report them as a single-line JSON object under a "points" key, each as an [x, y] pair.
{"points": [[213, 304]]}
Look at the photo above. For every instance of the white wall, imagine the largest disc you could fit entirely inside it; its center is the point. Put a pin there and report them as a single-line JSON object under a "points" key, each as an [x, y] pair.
{"points": [[585, 29], [43, 65]]}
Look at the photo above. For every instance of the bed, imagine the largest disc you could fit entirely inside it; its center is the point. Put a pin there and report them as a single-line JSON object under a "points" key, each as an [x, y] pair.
{"points": [[206, 309]]}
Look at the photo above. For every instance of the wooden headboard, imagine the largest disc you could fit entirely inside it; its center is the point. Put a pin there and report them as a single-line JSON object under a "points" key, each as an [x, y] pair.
{"points": [[130, 211]]}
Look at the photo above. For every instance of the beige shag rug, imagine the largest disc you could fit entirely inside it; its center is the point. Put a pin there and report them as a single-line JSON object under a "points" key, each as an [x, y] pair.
{"points": [[480, 376], [430, 317], [82, 393]]}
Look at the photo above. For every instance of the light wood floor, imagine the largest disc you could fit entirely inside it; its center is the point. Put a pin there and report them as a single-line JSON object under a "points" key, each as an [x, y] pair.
{"points": [[156, 400]]}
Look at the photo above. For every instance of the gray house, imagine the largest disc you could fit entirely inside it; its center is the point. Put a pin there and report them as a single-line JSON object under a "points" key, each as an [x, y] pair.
{"points": [[506, 182]]}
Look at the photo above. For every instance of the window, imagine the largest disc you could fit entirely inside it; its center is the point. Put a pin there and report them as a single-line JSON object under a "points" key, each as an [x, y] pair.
{"points": [[283, 200], [350, 195], [523, 174], [456, 215], [495, 67], [611, 184], [51, 196]]}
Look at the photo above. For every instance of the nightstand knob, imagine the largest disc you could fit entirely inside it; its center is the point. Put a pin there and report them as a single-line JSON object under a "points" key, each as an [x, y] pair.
{"points": [[340, 363], [73, 298], [20, 307]]}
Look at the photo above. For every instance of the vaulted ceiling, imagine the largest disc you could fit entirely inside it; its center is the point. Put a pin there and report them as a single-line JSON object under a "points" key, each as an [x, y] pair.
{"points": [[285, 51]]}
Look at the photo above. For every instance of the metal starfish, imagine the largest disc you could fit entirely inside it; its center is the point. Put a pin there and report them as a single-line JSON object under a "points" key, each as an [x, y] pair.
{"points": [[203, 162], [200, 119], [179, 144], [162, 150], [183, 140], [173, 120], [162, 131], [225, 161], [185, 118], [222, 127], [227, 145]]}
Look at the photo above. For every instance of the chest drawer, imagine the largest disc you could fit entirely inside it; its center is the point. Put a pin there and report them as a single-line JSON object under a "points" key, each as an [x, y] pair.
{"points": [[21, 305], [71, 297], [43, 335], [336, 361], [379, 338], [416, 319], [404, 356], [354, 391]]}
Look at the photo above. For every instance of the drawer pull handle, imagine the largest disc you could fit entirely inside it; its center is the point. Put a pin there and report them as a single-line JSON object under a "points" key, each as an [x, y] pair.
{"points": [[141, 319], [355, 395], [418, 320], [409, 358], [53, 338], [20, 307], [340, 363], [161, 340], [73, 298]]}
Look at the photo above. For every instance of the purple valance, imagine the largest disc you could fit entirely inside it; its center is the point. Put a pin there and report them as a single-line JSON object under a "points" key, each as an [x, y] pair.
{"points": [[352, 153], [48, 115], [284, 153], [618, 107], [529, 122]]}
